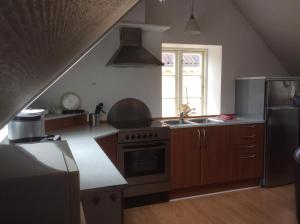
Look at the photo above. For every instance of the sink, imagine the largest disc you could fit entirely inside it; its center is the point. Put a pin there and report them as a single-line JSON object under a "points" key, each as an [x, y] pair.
{"points": [[204, 120], [199, 120], [176, 122]]}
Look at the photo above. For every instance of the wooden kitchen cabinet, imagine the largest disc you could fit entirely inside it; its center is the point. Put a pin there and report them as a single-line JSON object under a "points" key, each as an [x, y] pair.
{"points": [[216, 157], [200, 156], [248, 142], [109, 145], [185, 158]]}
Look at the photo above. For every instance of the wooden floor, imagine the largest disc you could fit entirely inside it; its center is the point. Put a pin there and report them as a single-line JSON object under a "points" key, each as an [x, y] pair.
{"points": [[252, 206]]}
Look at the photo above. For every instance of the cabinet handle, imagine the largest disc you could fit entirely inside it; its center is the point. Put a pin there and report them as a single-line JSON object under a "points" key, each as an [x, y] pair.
{"points": [[249, 136], [205, 138], [248, 157], [249, 126], [199, 138], [248, 147]]}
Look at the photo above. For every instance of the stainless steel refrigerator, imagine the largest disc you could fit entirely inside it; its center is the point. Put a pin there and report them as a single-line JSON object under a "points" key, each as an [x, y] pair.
{"points": [[276, 100]]}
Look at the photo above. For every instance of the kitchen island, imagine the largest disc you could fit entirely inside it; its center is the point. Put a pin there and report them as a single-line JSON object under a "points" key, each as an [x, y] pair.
{"points": [[101, 183]]}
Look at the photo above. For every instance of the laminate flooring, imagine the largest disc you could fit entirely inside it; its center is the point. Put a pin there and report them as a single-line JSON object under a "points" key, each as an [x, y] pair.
{"points": [[248, 206]]}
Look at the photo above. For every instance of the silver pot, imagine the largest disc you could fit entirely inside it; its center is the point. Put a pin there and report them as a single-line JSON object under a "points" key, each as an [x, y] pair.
{"points": [[28, 125]]}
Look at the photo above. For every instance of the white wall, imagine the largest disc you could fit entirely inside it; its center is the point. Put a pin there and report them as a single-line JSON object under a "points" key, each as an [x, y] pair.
{"points": [[244, 54]]}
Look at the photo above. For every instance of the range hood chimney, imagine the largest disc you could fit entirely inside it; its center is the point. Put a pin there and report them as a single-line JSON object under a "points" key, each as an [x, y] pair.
{"points": [[131, 53]]}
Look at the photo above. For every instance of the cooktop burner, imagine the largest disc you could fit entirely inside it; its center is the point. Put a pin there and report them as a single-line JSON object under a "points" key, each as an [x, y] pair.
{"points": [[125, 125]]}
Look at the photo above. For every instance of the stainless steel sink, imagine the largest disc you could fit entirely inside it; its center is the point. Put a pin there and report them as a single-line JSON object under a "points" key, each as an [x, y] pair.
{"points": [[204, 120], [176, 122], [199, 120]]}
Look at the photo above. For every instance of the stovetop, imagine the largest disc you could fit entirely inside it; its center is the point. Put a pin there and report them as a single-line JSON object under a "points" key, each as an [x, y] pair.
{"points": [[138, 125], [137, 131]]}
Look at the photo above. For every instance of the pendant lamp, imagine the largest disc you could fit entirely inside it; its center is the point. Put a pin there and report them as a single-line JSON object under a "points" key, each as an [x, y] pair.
{"points": [[192, 27]]}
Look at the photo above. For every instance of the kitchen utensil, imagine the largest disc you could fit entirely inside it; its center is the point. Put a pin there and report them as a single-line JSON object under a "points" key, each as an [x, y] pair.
{"points": [[94, 120]]}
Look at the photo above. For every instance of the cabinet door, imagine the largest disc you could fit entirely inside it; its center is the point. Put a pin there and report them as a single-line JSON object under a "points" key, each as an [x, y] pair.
{"points": [[216, 158], [102, 206], [185, 158], [109, 146]]}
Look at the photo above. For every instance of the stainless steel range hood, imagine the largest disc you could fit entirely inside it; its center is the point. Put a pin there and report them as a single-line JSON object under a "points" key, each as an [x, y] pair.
{"points": [[131, 53]]}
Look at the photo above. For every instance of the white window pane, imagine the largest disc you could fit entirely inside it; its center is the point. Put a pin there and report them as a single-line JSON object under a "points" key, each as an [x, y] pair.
{"points": [[168, 87], [168, 108], [169, 61], [191, 85], [168, 71], [194, 104], [192, 64]]}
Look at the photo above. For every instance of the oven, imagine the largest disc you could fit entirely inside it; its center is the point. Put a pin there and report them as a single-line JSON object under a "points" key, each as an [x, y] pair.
{"points": [[144, 162], [143, 148]]}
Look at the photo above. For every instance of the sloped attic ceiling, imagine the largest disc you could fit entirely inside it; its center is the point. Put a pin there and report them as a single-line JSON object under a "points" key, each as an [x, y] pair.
{"points": [[41, 39], [278, 23]]}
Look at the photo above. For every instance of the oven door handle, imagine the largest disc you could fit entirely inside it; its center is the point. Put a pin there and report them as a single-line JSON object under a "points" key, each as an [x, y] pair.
{"points": [[143, 146]]}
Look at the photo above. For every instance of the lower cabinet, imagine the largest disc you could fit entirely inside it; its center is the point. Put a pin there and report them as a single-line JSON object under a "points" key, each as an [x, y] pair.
{"points": [[247, 142], [215, 154], [102, 206], [247, 162], [109, 145], [216, 159], [185, 158]]}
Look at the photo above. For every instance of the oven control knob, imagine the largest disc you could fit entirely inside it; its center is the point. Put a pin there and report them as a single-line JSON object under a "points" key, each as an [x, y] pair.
{"points": [[132, 136], [138, 136], [127, 137], [150, 135], [155, 135], [144, 136]]}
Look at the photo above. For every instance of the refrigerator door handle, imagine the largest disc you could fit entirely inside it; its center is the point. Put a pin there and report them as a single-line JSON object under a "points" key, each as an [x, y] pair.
{"points": [[282, 108]]}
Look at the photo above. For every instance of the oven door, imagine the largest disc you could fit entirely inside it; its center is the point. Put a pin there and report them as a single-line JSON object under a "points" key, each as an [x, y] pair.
{"points": [[146, 162]]}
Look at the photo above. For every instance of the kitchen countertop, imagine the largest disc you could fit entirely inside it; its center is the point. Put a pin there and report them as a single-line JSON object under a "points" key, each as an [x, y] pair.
{"points": [[96, 169], [238, 121]]}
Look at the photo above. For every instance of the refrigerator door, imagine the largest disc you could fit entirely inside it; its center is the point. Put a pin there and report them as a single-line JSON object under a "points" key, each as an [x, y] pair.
{"points": [[282, 138], [282, 93]]}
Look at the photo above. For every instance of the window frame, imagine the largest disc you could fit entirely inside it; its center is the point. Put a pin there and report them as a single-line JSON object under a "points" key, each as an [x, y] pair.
{"points": [[178, 51]]}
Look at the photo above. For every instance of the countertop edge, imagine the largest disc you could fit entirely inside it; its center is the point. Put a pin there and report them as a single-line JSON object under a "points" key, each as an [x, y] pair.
{"points": [[213, 124], [90, 158]]}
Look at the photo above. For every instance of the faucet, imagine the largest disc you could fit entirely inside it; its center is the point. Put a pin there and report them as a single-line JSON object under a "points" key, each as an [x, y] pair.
{"points": [[181, 116]]}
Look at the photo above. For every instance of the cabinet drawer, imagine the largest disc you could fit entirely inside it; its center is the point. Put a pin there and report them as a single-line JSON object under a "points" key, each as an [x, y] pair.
{"points": [[247, 134], [247, 162], [248, 148]]}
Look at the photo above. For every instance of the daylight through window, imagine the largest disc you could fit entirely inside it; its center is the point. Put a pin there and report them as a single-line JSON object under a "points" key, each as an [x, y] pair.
{"points": [[183, 81]]}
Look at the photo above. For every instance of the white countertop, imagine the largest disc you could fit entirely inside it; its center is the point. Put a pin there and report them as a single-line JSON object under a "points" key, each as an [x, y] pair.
{"points": [[238, 121], [95, 168]]}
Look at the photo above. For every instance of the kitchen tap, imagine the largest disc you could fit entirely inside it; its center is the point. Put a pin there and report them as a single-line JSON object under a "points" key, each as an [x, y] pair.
{"points": [[181, 116], [185, 110]]}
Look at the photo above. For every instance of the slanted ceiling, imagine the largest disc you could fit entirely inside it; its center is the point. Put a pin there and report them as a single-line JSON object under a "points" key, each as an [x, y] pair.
{"points": [[42, 39], [278, 23]]}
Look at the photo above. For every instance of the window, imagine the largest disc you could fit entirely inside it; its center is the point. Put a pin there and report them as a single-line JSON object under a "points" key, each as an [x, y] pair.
{"points": [[183, 81], [3, 133]]}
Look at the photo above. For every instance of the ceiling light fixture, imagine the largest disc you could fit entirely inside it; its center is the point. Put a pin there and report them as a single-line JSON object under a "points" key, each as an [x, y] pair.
{"points": [[192, 27]]}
